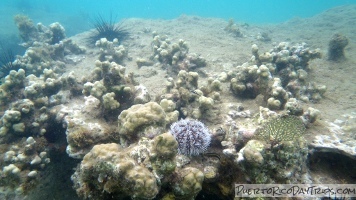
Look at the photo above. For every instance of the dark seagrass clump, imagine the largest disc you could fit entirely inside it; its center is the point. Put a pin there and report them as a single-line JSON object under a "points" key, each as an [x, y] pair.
{"points": [[337, 44], [277, 130], [107, 29], [193, 136]]}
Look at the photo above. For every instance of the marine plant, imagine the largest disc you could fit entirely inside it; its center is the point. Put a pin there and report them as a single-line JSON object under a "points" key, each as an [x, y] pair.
{"points": [[107, 29], [281, 129], [193, 136]]}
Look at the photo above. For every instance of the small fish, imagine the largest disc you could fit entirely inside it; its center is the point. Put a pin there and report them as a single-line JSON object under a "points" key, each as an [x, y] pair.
{"points": [[220, 131], [194, 92], [215, 155]]}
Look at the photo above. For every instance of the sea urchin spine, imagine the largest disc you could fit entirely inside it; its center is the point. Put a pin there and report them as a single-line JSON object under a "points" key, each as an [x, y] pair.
{"points": [[107, 29], [193, 136]]}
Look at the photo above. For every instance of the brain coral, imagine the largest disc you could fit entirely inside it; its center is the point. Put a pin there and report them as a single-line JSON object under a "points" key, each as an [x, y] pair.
{"points": [[141, 115], [108, 172], [193, 136]]}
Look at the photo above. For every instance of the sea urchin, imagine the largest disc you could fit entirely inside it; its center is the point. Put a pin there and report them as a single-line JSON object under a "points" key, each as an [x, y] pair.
{"points": [[107, 29], [6, 61], [193, 136]]}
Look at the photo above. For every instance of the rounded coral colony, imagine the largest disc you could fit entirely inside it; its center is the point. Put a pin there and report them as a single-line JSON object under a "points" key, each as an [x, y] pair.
{"points": [[193, 136]]}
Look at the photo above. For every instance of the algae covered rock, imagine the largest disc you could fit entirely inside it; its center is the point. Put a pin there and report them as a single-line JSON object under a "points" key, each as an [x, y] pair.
{"points": [[164, 150], [109, 102], [283, 164], [81, 136], [190, 183], [14, 79], [252, 152], [337, 46], [168, 53], [278, 154], [141, 115], [111, 51], [187, 80], [82, 131], [22, 164], [169, 107], [26, 27], [193, 102], [108, 171], [233, 29]]}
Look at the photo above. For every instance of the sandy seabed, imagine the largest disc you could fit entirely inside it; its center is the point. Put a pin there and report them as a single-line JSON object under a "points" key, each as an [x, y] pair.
{"points": [[223, 52]]}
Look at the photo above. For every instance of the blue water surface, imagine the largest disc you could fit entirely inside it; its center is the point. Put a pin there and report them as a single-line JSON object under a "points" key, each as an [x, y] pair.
{"points": [[75, 15]]}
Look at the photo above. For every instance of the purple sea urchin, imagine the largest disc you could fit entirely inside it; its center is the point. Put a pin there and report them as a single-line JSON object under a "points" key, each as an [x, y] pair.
{"points": [[193, 136]]}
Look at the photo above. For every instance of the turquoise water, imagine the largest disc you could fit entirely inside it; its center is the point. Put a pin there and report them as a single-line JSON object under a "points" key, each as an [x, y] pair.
{"points": [[250, 11], [75, 15]]}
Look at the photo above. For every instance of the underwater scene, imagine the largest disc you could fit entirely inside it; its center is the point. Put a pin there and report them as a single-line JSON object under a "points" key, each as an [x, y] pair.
{"points": [[176, 99]]}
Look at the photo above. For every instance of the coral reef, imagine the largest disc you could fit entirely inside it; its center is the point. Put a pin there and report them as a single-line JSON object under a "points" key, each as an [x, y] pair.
{"points": [[285, 164], [30, 34], [127, 138], [167, 54], [135, 119], [26, 28], [193, 102], [107, 93], [277, 75], [112, 87], [22, 164], [109, 171], [250, 81], [164, 150], [82, 134], [139, 171], [143, 62], [232, 28], [29, 115], [12, 83], [274, 153], [111, 51], [175, 57], [47, 47], [270, 153], [190, 184], [278, 95], [42, 55], [264, 37]]}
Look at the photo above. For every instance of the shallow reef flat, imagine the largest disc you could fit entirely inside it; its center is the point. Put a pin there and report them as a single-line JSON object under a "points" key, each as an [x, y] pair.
{"points": [[179, 109]]}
